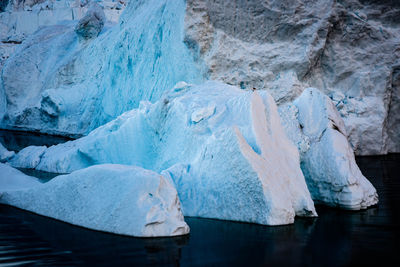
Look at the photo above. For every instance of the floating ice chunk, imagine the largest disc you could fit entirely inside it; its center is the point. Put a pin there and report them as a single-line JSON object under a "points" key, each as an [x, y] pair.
{"points": [[5, 155], [12, 179], [119, 199], [237, 164], [29, 157], [329, 166]]}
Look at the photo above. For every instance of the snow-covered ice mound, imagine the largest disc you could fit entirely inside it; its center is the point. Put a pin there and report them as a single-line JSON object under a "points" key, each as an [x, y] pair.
{"points": [[5, 154], [29, 157], [119, 199], [327, 160], [225, 149], [12, 179]]}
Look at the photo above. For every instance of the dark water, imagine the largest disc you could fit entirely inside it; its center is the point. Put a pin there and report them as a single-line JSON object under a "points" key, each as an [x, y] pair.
{"points": [[43, 176], [335, 238], [17, 140]]}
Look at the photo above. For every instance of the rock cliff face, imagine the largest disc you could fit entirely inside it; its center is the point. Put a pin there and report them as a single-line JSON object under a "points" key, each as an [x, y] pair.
{"points": [[348, 49]]}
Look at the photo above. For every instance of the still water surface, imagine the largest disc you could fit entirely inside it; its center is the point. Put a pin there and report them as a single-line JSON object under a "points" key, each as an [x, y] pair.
{"points": [[335, 238]]}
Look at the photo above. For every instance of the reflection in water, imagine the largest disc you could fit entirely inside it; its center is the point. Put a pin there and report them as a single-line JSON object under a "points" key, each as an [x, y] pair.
{"points": [[28, 237], [335, 238], [42, 176]]}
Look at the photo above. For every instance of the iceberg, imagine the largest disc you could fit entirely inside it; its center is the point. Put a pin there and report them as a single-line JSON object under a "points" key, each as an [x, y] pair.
{"points": [[224, 148], [327, 159], [119, 199], [229, 153], [191, 123]]}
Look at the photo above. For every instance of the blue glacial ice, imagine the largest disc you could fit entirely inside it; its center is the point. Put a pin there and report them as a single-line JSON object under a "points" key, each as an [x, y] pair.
{"points": [[58, 82], [118, 199]]}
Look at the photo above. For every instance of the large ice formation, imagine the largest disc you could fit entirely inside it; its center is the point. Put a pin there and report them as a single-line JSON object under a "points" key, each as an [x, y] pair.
{"points": [[224, 148], [182, 135], [327, 160], [119, 199], [58, 83], [348, 49]]}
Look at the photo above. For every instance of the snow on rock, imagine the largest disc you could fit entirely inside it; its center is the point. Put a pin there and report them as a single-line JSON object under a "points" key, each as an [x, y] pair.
{"points": [[327, 160], [12, 179], [118, 199], [29, 157], [57, 84], [346, 47], [92, 23], [235, 163], [5, 155]]}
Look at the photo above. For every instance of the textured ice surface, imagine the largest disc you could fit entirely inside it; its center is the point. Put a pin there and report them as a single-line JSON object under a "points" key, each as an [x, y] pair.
{"points": [[327, 160], [92, 23], [58, 83], [5, 155], [29, 157], [119, 199], [12, 179], [224, 148]]}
